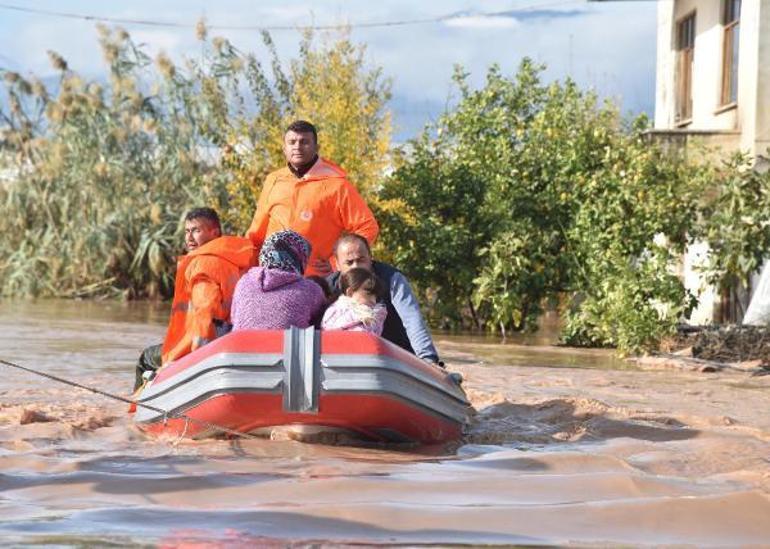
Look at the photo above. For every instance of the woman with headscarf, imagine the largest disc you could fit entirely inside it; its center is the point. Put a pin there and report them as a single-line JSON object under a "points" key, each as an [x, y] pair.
{"points": [[275, 295]]}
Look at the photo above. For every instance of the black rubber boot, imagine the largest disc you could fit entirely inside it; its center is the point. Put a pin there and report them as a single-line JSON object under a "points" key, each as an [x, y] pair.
{"points": [[149, 361]]}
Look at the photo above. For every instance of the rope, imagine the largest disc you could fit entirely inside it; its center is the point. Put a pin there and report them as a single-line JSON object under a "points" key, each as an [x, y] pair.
{"points": [[166, 413], [532, 6]]}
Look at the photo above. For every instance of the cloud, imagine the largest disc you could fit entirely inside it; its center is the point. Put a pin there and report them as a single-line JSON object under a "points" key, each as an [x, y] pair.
{"points": [[506, 19], [482, 22], [524, 15]]}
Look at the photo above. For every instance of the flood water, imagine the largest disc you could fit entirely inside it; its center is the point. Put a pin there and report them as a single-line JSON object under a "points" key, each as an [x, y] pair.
{"points": [[567, 447]]}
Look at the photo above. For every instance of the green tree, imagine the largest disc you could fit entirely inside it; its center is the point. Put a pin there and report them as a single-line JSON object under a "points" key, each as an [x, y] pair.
{"points": [[526, 193], [734, 220], [494, 244], [431, 217]]}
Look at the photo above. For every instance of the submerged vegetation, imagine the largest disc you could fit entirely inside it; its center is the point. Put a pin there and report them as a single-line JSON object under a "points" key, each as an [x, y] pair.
{"points": [[523, 196]]}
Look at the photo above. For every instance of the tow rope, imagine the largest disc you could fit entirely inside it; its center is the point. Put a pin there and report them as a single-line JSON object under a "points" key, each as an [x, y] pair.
{"points": [[166, 414]]}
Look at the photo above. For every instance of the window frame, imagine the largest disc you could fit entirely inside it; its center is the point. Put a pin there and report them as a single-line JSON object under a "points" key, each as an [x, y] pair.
{"points": [[685, 62], [729, 80]]}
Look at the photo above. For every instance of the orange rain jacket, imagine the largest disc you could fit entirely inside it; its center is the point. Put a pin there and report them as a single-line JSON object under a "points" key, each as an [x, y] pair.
{"points": [[320, 206], [203, 292]]}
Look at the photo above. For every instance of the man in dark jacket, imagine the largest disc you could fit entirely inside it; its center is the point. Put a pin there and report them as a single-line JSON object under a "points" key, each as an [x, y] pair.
{"points": [[404, 324]]}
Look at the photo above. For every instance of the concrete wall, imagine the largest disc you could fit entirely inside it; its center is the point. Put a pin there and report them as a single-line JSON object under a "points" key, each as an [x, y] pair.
{"points": [[762, 127], [708, 298], [748, 73], [665, 70], [751, 115], [698, 145]]}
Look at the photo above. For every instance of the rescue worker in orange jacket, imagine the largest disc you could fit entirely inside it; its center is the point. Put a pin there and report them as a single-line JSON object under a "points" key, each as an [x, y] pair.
{"points": [[313, 197], [205, 281]]}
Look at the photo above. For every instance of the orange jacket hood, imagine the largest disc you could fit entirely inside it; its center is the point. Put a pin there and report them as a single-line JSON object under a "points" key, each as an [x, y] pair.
{"points": [[237, 250], [214, 269], [320, 206]]}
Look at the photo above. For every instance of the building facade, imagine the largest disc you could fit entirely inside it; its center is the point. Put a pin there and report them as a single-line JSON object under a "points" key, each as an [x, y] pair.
{"points": [[713, 89], [713, 73]]}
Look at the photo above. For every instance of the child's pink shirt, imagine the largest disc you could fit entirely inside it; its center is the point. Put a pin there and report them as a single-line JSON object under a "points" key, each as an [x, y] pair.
{"points": [[348, 314]]}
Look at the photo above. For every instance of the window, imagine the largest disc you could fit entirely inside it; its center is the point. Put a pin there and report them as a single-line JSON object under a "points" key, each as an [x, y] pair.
{"points": [[731, 13], [685, 46]]}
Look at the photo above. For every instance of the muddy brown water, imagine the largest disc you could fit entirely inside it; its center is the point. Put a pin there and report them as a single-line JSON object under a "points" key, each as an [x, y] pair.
{"points": [[569, 447]]}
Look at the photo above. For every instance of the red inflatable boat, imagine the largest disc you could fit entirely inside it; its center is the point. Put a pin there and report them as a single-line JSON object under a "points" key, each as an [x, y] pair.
{"points": [[254, 381]]}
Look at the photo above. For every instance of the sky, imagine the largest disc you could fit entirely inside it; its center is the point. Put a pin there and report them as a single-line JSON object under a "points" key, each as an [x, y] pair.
{"points": [[607, 46]]}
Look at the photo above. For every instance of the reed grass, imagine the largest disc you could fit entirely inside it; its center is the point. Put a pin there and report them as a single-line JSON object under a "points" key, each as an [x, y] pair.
{"points": [[99, 174]]}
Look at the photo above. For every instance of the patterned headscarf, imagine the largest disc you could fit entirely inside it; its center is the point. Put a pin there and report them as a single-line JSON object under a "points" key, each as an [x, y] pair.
{"points": [[285, 250]]}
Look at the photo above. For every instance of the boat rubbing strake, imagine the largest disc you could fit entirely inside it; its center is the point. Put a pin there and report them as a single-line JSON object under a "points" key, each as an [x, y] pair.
{"points": [[250, 381]]}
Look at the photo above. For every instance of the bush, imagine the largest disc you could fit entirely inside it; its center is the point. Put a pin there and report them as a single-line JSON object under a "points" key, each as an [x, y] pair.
{"points": [[526, 193]]}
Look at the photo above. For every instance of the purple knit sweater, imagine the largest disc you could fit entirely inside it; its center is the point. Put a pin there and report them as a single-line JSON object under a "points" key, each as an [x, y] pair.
{"points": [[271, 299]]}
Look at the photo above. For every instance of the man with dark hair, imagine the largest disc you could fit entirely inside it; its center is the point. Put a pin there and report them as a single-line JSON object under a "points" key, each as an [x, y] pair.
{"points": [[209, 214], [404, 324], [203, 290], [313, 197], [303, 126]]}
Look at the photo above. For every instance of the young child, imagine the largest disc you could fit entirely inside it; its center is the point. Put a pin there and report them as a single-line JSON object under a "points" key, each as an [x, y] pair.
{"points": [[357, 308]]}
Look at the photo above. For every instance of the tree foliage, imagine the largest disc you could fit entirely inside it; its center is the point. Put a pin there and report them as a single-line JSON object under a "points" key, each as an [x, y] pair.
{"points": [[527, 193], [104, 171], [735, 222], [330, 84]]}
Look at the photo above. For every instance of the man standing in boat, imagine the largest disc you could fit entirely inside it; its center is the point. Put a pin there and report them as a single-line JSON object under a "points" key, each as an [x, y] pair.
{"points": [[404, 324], [205, 281], [313, 197]]}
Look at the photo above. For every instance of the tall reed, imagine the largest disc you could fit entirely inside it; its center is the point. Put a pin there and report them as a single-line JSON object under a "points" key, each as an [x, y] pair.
{"points": [[98, 174]]}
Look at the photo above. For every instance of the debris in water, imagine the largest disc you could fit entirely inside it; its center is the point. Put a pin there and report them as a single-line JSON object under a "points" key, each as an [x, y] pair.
{"points": [[33, 416]]}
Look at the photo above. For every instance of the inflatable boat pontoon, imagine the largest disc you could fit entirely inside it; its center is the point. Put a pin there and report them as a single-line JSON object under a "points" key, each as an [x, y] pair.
{"points": [[254, 381]]}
